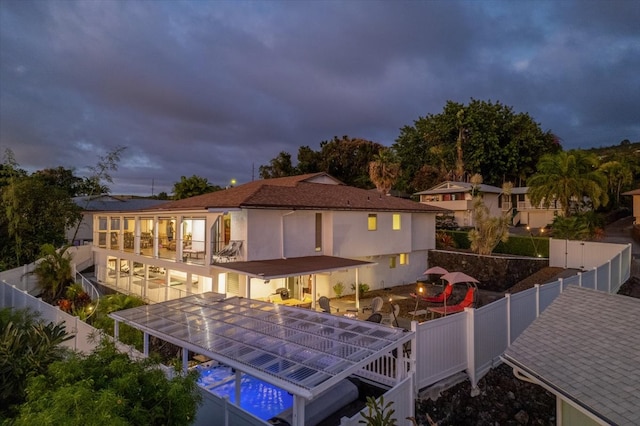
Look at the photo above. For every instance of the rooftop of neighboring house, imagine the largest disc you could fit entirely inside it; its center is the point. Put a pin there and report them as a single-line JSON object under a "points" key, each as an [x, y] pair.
{"points": [[632, 192], [115, 203], [451, 186], [585, 347], [315, 191]]}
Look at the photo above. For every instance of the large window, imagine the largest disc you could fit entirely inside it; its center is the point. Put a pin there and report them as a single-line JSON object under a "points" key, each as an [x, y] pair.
{"points": [[372, 223]]}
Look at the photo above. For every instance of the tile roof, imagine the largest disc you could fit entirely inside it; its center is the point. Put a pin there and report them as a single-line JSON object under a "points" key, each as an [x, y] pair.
{"points": [[298, 192], [295, 266], [114, 203], [451, 186], [586, 346]]}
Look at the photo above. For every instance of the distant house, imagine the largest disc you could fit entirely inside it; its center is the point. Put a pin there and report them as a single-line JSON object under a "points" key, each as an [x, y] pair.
{"points": [[303, 233], [584, 349], [458, 198], [91, 205], [636, 204], [523, 212]]}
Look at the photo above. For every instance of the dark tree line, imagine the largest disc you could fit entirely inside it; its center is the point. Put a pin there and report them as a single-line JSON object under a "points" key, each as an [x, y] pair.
{"points": [[482, 137]]}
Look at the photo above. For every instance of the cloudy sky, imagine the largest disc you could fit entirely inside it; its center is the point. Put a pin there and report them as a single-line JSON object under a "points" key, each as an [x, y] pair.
{"points": [[218, 88]]}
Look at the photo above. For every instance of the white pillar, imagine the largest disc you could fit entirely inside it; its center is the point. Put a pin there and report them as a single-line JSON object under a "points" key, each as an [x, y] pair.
{"points": [[297, 411], [357, 290]]}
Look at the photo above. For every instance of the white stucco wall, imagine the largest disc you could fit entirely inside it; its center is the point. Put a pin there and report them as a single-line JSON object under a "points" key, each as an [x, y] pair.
{"points": [[351, 238]]}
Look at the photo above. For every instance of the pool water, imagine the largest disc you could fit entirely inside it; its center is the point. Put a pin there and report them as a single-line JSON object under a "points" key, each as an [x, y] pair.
{"points": [[261, 399]]}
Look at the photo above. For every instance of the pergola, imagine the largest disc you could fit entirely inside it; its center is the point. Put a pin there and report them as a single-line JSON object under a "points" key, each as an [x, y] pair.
{"points": [[299, 350]]}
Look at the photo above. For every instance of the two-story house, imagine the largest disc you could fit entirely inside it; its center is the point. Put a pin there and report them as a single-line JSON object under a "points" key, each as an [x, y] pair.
{"points": [[458, 198], [303, 233]]}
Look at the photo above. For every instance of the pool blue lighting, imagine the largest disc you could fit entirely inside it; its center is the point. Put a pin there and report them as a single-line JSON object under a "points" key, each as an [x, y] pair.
{"points": [[261, 399]]}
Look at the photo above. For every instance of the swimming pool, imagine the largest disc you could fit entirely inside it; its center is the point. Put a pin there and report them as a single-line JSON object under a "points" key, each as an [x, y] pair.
{"points": [[260, 398]]}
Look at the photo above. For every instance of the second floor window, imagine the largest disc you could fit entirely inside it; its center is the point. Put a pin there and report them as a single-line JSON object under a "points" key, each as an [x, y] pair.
{"points": [[372, 223], [396, 222], [318, 231]]}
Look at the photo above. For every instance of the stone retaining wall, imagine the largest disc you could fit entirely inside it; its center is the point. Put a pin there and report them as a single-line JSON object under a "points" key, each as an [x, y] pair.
{"points": [[495, 273]]}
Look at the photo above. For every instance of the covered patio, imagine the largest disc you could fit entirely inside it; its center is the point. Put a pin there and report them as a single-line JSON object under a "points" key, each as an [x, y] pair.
{"points": [[301, 351], [272, 269]]}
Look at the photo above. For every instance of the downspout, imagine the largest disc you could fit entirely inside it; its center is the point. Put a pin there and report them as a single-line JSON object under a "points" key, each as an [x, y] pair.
{"points": [[282, 233]]}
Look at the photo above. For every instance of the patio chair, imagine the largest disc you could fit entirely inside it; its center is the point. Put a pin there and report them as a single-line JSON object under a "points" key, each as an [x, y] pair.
{"points": [[391, 318], [377, 317], [325, 305], [228, 253], [375, 306], [468, 302]]}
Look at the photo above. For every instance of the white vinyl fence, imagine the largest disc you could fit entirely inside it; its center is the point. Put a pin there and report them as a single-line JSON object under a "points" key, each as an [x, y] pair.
{"points": [[473, 341]]}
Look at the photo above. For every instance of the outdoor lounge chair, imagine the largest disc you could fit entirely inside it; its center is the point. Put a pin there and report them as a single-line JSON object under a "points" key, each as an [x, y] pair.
{"points": [[441, 297], [325, 305], [467, 302], [230, 252]]}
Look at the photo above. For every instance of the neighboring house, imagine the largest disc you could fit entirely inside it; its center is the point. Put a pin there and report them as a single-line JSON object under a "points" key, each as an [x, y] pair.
{"points": [[584, 349], [91, 205], [525, 213], [458, 197], [303, 233], [636, 204]]}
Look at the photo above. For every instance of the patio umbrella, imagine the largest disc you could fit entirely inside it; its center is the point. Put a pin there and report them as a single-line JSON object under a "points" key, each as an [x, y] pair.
{"points": [[458, 277], [435, 270]]}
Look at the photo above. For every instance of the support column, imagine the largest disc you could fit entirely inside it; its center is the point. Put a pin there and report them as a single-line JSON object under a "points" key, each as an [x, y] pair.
{"points": [[185, 360], [145, 344], [297, 411], [357, 289]]}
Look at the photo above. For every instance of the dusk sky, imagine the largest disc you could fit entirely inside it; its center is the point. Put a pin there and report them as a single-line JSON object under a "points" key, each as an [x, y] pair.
{"points": [[218, 88]]}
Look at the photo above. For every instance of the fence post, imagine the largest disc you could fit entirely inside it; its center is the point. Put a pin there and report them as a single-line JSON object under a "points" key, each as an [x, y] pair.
{"points": [[508, 297], [471, 350]]}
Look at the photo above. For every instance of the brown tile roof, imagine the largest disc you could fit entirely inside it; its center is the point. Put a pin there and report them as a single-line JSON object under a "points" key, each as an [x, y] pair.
{"points": [[279, 268], [297, 192]]}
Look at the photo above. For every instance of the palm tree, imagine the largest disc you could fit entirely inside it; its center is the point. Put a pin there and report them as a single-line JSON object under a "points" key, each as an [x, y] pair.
{"points": [[568, 177], [618, 175], [53, 271], [384, 170]]}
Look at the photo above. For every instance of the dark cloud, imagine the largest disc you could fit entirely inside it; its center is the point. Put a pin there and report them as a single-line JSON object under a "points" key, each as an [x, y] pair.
{"points": [[219, 88]]}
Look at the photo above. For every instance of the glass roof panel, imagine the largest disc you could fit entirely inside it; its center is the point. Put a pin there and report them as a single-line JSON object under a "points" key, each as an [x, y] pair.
{"points": [[298, 346]]}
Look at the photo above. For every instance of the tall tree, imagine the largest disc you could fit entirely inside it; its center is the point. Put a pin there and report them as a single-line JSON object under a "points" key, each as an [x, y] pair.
{"points": [[384, 170], [36, 214], [192, 186], [568, 177], [280, 166], [494, 141], [62, 178], [348, 159]]}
